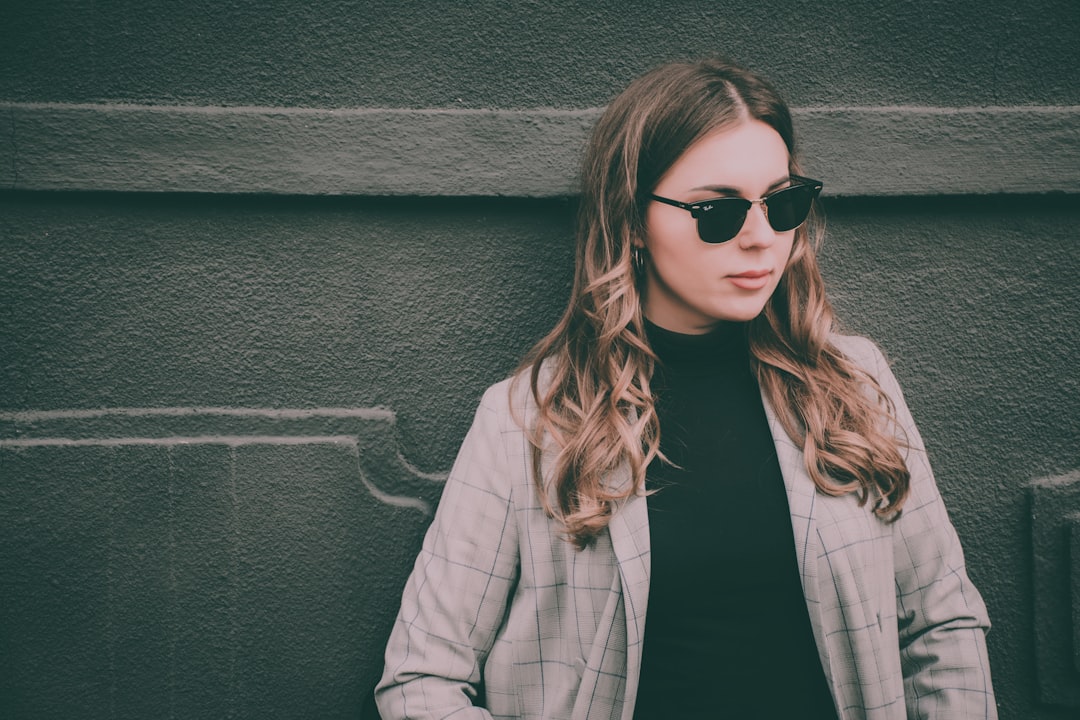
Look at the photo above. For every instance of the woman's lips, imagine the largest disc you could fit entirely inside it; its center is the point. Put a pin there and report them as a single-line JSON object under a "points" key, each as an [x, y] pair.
{"points": [[750, 280]]}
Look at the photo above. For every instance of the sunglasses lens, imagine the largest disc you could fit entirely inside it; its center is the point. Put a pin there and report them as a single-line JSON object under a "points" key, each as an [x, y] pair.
{"points": [[723, 220], [789, 208]]}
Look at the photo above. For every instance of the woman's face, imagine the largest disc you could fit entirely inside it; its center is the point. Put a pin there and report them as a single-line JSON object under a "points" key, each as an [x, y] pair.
{"points": [[692, 285]]}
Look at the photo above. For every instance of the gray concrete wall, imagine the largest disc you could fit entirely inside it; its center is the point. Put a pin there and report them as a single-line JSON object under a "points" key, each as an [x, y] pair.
{"points": [[226, 397], [524, 54]]}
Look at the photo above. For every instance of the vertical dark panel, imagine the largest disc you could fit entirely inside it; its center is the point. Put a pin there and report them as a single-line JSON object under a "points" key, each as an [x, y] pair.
{"points": [[304, 556], [59, 628], [148, 578], [202, 538], [141, 560]]}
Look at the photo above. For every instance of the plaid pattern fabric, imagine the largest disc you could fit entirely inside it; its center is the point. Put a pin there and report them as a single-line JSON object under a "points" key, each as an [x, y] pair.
{"points": [[498, 604]]}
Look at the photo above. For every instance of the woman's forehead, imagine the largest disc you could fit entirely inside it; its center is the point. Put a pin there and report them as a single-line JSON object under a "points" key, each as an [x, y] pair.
{"points": [[748, 156]]}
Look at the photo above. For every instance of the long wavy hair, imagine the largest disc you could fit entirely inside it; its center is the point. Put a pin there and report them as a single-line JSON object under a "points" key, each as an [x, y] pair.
{"points": [[590, 375]]}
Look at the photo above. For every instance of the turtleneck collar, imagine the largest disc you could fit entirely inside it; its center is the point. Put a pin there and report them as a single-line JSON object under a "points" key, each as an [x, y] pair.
{"points": [[726, 343]]}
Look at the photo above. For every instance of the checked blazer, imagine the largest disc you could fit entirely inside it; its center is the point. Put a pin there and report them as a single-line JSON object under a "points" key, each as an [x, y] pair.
{"points": [[501, 618]]}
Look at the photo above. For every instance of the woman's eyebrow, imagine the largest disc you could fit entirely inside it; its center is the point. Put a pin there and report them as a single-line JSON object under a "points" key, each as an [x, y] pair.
{"points": [[727, 190]]}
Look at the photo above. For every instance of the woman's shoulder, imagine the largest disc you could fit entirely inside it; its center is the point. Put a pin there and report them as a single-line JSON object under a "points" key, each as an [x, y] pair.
{"points": [[862, 351], [511, 399], [868, 357], [514, 394]]}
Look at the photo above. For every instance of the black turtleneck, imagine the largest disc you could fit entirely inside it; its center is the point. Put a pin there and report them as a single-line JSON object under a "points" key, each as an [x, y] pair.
{"points": [[727, 634]]}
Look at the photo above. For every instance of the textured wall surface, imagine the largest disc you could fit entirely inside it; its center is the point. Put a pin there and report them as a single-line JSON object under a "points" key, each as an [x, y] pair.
{"points": [[525, 53], [350, 303], [116, 301], [200, 562], [865, 151], [223, 413]]}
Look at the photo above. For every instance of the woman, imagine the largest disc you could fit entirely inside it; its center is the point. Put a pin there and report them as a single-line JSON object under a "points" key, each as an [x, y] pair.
{"points": [[695, 499]]}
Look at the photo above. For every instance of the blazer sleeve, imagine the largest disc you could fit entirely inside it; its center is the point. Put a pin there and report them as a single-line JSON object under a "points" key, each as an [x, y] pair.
{"points": [[942, 618], [456, 597]]}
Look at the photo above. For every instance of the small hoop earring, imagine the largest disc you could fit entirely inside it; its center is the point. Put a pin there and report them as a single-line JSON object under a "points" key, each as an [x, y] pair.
{"points": [[637, 258]]}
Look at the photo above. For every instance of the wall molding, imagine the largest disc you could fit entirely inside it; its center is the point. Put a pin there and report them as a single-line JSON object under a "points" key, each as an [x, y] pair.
{"points": [[367, 433], [858, 151]]}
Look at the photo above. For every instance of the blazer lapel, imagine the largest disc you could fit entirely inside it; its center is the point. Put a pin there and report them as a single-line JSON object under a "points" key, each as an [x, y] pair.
{"points": [[802, 501], [629, 530]]}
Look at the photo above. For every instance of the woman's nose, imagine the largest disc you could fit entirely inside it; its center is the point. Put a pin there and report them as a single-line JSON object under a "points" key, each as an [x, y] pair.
{"points": [[756, 230]]}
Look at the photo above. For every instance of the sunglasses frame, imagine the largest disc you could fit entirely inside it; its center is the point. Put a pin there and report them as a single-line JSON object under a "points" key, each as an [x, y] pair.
{"points": [[700, 209]]}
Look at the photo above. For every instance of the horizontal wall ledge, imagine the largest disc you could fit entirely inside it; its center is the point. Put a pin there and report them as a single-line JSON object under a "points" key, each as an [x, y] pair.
{"points": [[857, 151]]}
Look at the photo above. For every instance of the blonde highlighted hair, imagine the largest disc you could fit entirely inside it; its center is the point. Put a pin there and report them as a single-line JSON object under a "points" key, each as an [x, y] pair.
{"points": [[590, 375]]}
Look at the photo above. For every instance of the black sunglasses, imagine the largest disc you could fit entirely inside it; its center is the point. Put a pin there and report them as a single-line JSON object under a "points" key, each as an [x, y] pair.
{"points": [[720, 219]]}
